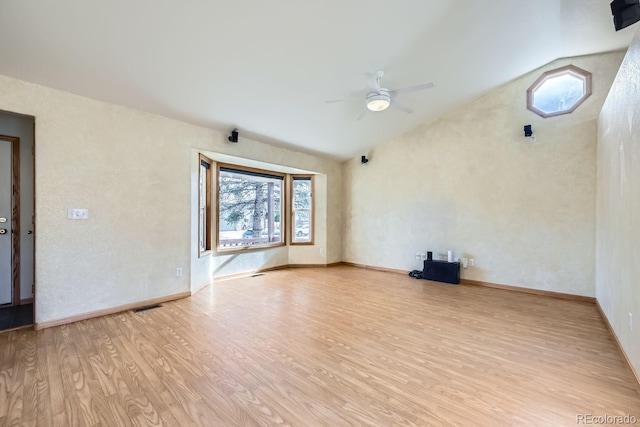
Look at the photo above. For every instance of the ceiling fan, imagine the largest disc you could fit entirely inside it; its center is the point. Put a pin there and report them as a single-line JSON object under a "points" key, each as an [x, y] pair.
{"points": [[379, 98]]}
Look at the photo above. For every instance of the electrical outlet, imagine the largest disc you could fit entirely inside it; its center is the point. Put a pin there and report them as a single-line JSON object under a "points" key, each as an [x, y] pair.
{"points": [[630, 322], [423, 256], [178, 272], [472, 262], [418, 256], [465, 262]]}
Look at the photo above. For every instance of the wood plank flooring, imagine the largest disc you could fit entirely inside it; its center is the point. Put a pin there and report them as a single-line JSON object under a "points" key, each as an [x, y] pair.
{"points": [[334, 346]]}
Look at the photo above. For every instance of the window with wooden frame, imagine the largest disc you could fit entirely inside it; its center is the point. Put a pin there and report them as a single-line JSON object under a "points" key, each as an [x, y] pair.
{"points": [[302, 222], [204, 206], [559, 91], [250, 208]]}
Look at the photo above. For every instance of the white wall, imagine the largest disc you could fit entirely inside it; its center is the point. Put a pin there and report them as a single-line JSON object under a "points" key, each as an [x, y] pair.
{"points": [[618, 206], [133, 171], [470, 182]]}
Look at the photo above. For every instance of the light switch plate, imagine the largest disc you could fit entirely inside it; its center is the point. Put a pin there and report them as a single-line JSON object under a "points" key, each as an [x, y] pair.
{"points": [[75, 213]]}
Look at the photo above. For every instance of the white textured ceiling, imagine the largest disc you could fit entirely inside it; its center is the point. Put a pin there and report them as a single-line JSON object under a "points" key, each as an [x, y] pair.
{"points": [[267, 67]]}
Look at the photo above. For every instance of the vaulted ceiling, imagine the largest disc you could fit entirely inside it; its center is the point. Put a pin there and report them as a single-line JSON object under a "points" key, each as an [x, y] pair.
{"points": [[268, 67]]}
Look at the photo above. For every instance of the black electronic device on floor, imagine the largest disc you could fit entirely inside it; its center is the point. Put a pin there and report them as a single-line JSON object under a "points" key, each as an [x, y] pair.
{"points": [[441, 271]]}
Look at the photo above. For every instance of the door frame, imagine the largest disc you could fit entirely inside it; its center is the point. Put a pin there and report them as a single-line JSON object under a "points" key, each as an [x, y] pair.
{"points": [[15, 216]]}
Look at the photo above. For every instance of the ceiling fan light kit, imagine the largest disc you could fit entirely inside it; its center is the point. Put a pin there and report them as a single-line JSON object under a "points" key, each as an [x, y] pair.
{"points": [[378, 101]]}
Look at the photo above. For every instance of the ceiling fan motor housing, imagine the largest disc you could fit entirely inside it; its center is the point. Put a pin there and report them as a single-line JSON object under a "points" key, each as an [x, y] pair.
{"points": [[378, 101]]}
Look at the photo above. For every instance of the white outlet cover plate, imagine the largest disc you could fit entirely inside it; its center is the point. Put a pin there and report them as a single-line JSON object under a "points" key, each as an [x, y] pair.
{"points": [[75, 213]]}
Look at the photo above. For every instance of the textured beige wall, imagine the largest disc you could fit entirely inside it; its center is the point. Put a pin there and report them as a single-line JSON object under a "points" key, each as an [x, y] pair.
{"points": [[470, 182], [132, 170], [618, 206]]}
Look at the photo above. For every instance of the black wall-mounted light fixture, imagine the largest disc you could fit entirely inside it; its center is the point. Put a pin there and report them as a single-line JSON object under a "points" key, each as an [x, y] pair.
{"points": [[528, 132], [625, 13], [234, 136], [364, 160]]}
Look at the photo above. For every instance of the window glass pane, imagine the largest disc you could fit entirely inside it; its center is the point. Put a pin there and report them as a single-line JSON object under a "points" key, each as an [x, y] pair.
{"points": [[301, 193], [250, 209], [302, 225], [559, 93], [302, 208]]}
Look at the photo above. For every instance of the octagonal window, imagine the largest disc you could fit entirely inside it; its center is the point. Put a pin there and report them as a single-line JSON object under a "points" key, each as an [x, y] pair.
{"points": [[559, 91]]}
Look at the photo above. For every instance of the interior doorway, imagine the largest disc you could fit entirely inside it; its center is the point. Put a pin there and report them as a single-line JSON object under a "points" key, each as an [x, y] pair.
{"points": [[17, 285]]}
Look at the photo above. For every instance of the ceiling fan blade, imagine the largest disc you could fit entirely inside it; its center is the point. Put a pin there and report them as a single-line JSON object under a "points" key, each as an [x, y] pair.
{"points": [[411, 89], [362, 114], [394, 104]]}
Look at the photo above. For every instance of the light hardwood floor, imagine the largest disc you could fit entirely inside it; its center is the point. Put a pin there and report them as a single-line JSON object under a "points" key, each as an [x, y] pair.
{"points": [[334, 346]]}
